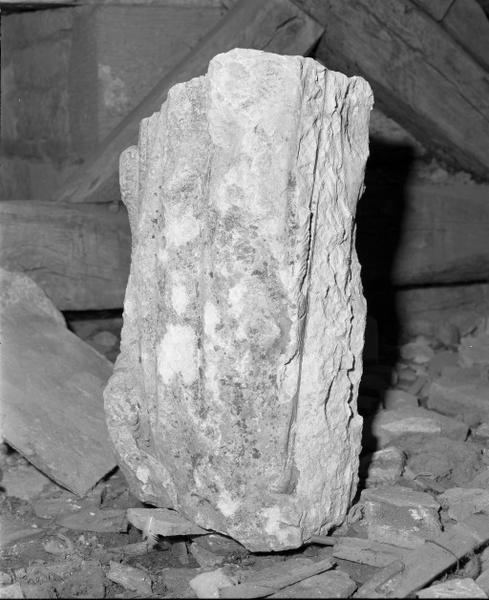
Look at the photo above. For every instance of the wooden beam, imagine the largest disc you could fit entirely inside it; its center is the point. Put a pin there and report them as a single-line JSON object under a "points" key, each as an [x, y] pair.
{"points": [[39, 4], [465, 21], [79, 255], [419, 74], [274, 25], [424, 234]]}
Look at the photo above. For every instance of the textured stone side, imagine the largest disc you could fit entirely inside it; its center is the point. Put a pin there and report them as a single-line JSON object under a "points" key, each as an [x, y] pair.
{"points": [[234, 397]]}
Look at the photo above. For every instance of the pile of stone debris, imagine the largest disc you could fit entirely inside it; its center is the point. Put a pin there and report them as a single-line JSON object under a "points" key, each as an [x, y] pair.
{"points": [[420, 523]]}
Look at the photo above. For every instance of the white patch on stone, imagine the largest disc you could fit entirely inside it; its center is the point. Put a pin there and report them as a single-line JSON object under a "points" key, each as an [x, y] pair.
{"points": [[274, 524], [163, 255], [176, 354], [179, 298], [211, 318], [235, 299], [227, 505], [143, 473], [181, 230]]}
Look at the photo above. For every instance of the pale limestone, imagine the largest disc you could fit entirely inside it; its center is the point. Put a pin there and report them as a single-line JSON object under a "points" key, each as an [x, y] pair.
{"points": [[233, 400]]}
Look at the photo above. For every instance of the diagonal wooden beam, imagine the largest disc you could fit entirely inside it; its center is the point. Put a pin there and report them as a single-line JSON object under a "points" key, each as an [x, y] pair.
{"points": [[419, 73], [272, 25]]}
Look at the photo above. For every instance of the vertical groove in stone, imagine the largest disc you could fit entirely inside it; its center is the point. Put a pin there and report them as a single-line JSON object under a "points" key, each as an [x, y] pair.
{"points": [[234, 397]]}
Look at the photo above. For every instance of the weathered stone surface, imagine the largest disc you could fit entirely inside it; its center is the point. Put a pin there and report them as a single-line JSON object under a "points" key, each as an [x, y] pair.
{"points": [[461, 392], [474, 350], [382, 467], [454, 588], [395, 398], [464, 502], [388, 425], [483, 581], [440, 458], [51, 408], [400, 516], [234, 397]]}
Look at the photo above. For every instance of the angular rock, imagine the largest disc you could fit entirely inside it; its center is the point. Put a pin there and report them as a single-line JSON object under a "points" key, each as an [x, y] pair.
{"points": [[474, 350], [464, 502], [207, 585], [419, 352], [131, 578], [440, 458], [399, 516], [388, 425], [234, 397], [205, 558], [382, 467], [481, 480], [481, 432], [447, 333], [441, 360], [453, 588], [483, 581], [394, 398], [461, 392]]}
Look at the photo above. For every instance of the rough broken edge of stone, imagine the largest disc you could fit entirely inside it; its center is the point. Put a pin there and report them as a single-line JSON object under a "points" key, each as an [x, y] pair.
{"points": [[278, 512]]}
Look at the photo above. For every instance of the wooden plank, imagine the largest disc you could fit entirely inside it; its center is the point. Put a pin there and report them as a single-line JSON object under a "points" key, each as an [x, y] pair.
{"points": [[79, 255], [418, 72], [467, 23], [52, 383], [431, 234], [275, 26]]}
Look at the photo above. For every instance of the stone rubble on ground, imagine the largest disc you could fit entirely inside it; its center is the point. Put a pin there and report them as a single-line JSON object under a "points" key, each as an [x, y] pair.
{"points": [[453, 588], [400, 516], [382, 467], [385, 426], [461, 391], [483, 580], [460, 503], [395, 398]]}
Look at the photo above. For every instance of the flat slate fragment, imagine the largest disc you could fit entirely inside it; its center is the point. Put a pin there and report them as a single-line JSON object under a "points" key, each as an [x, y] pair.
{"points": [[51, 394]]}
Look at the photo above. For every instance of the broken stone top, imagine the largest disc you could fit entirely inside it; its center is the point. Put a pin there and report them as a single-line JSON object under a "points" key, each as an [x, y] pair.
{"points": [[234, 397]]}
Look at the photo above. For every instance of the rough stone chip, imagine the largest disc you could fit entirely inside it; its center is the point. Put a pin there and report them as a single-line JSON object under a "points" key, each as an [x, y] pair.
{"points": [[400, 516], [233, 400]]}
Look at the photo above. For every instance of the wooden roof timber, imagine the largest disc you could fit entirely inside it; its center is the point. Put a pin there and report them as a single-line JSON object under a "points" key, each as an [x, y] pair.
{"points": [[277, 25]]}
